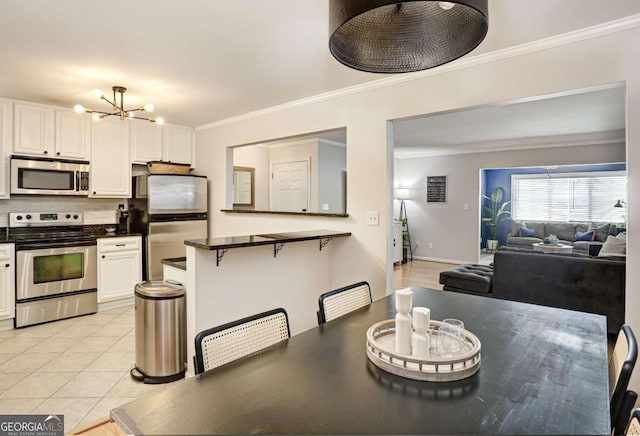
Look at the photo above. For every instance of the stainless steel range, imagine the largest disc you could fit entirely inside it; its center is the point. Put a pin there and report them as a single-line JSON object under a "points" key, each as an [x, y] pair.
{"points": [[56, 266]]}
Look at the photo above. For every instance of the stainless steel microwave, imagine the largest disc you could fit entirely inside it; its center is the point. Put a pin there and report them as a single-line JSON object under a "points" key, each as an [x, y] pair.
{"points": [[49, 176]]}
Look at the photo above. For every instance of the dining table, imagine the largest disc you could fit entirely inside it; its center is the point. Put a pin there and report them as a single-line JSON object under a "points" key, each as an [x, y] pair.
{"points": [[543, 371]]}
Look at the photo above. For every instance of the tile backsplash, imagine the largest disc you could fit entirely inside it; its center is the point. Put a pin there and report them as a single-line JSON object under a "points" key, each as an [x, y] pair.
{"points": [[96, 210]]}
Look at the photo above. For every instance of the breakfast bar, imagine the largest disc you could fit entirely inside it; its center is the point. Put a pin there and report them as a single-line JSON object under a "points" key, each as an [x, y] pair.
{"points": [[232, 277]]}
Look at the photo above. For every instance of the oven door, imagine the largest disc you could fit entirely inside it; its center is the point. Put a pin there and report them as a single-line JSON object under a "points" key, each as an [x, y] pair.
{"points": [[54, 271]]}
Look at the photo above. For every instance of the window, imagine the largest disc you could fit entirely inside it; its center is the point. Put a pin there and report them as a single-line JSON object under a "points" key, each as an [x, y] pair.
{"points": [[582, 197]]}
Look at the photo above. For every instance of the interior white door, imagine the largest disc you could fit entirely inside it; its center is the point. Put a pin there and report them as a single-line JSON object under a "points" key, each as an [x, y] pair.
{"points": [[290, 186]]}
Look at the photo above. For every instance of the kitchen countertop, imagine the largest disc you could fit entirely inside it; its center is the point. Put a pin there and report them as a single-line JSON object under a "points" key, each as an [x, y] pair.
{"points": [[265, 239], [176, 262]]}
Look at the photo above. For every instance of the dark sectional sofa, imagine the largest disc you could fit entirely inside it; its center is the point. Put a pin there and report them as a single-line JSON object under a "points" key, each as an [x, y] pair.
{"points": [[566, 233], [566, 281]]}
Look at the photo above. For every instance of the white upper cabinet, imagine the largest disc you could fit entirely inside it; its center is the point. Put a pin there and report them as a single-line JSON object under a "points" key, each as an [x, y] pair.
{"points": [[178, 144], [146, 142], [110, 174], [73, 134], [33, 129], [6, 130], [45, 131]]}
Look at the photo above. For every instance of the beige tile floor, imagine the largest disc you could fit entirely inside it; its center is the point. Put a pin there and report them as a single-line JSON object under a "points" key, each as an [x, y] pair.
{"points": [[77, 367]]}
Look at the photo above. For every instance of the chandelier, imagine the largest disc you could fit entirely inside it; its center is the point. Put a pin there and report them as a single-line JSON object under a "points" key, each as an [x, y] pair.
{"points": [[403, 36], [118, 109]]}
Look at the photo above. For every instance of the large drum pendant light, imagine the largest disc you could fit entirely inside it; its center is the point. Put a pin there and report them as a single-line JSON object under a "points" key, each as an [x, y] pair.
{"points": [[403, 36]]}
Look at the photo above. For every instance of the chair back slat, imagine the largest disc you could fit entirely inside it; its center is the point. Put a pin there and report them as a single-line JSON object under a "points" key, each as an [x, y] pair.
{"points": [[337, 303], [623, 359], [241, 338]]}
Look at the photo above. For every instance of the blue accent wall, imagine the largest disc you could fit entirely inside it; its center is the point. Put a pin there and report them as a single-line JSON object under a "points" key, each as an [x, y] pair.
{"points": [[490, 179]]}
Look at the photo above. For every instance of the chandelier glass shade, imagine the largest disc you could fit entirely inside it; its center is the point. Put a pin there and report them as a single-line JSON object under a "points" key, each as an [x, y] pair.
{"points": [[404, 36], [118, 108]]}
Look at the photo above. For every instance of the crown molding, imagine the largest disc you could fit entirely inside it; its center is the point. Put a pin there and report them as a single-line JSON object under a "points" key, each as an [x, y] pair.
{"points": [[582, 139], [619, 25]]}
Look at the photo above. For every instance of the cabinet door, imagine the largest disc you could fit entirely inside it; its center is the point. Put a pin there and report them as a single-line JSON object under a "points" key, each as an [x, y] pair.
{"points": [[72, 135], [6, 134], [33, 129], [7, 281], [110, 174], [146, 142], [397, 242], [118, 274], [178, 144]]}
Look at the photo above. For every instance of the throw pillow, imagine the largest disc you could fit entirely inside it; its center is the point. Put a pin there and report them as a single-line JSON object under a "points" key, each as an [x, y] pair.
{"points": [[601, 231], [528, 233], [585, 236], [614, 247]]}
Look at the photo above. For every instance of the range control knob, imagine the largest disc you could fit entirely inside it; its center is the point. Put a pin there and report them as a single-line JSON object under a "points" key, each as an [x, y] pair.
{"points": [[67, 216], [28, 217], [75, 217], [19, 217]]}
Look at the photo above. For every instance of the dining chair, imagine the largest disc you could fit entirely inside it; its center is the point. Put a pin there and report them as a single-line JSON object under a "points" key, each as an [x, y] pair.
{"points": [[623, 359], [633, 429], [240, 338], [622, 421], [341, 301]]}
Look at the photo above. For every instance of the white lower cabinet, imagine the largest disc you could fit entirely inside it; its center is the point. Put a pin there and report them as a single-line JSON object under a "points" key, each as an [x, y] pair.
{"points": [[119, 267], [397, 241], [7, 282]]}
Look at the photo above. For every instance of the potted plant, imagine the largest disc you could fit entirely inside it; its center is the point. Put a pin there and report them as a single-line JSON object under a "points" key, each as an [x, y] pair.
{"points": [[495, 214]]}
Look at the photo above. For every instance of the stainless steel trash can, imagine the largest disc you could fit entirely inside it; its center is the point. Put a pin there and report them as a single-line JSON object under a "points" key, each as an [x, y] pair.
{"points": [[160, 332]]}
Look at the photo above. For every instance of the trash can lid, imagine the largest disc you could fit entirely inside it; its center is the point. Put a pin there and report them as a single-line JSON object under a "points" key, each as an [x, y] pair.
{"points": [[159, 290]]}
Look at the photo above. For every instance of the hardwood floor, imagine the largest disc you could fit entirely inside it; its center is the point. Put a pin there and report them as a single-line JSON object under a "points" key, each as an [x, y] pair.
{"points": [[419, 273]]}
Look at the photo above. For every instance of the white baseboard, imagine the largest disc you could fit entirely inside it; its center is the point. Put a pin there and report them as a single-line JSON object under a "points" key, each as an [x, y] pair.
{"points": [[115, 304], [6, 324], [435, 259]]}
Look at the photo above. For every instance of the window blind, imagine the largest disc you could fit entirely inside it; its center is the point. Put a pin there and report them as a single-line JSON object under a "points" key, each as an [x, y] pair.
{"points": [[583, 197]]}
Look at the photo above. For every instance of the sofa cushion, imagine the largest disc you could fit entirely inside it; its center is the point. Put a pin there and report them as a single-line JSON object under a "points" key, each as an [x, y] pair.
{"points": [[582, 227], [601, 231], [522, 241], [527, 233], [585, 236], [564, 231], [515, 227], [538, 227]]}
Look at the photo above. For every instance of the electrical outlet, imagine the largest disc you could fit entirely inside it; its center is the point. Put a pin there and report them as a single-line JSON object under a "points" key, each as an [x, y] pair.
{"points": [[466, 206], [325, 206], [373, 218], [430, 245]]}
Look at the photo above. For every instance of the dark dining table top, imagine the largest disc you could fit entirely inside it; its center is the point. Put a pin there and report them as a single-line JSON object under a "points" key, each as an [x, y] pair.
{"points": [[544, 371]]}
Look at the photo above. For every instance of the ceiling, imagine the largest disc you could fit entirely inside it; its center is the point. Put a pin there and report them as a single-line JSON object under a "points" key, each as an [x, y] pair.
{"points": [[201, 61], [589, 115]]}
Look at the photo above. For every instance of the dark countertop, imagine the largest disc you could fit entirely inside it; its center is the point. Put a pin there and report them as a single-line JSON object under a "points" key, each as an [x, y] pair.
{"points": [[266, 239], [176, 262], [544, 371], [273, 212]]}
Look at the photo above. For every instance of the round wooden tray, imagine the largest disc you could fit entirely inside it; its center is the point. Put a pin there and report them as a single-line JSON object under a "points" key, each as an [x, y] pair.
{"points": [[381, 351]]}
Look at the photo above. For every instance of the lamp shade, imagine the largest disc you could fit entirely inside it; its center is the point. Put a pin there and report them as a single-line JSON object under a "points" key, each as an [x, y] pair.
{"points": [[403, 36], [402, 193]]}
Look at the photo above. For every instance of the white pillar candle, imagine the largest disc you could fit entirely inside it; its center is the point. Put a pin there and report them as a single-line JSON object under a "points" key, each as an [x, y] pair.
{"points": [[420, 338], [403, 321]]}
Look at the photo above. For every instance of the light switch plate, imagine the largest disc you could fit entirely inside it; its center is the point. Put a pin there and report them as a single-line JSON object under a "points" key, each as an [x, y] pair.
{"points": [[373, 218]]}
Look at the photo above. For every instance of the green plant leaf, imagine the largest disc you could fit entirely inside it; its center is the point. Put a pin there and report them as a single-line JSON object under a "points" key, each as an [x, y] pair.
{"points": [[498, 193]]}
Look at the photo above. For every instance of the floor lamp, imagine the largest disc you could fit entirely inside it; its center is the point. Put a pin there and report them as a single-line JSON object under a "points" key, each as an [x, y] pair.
{"points": [[402, 194]]}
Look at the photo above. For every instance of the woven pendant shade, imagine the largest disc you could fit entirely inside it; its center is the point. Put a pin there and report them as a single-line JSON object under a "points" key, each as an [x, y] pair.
{"points": [[404, 36]]}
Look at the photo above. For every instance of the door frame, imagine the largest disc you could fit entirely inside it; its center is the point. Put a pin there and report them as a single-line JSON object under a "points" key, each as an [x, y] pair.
{"points": [[281, 161]]}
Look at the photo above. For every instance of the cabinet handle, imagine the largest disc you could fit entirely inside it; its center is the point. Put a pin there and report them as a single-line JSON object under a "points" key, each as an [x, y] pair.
{"points": [[46, 152], [121, 245], [94, 192], [58, 153], [7, 265], [103, 256]]}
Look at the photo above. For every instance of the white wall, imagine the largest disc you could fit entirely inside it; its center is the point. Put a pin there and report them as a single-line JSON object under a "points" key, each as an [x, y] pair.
{"points": [[583, 61], [332, 164], [453, 231]]}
